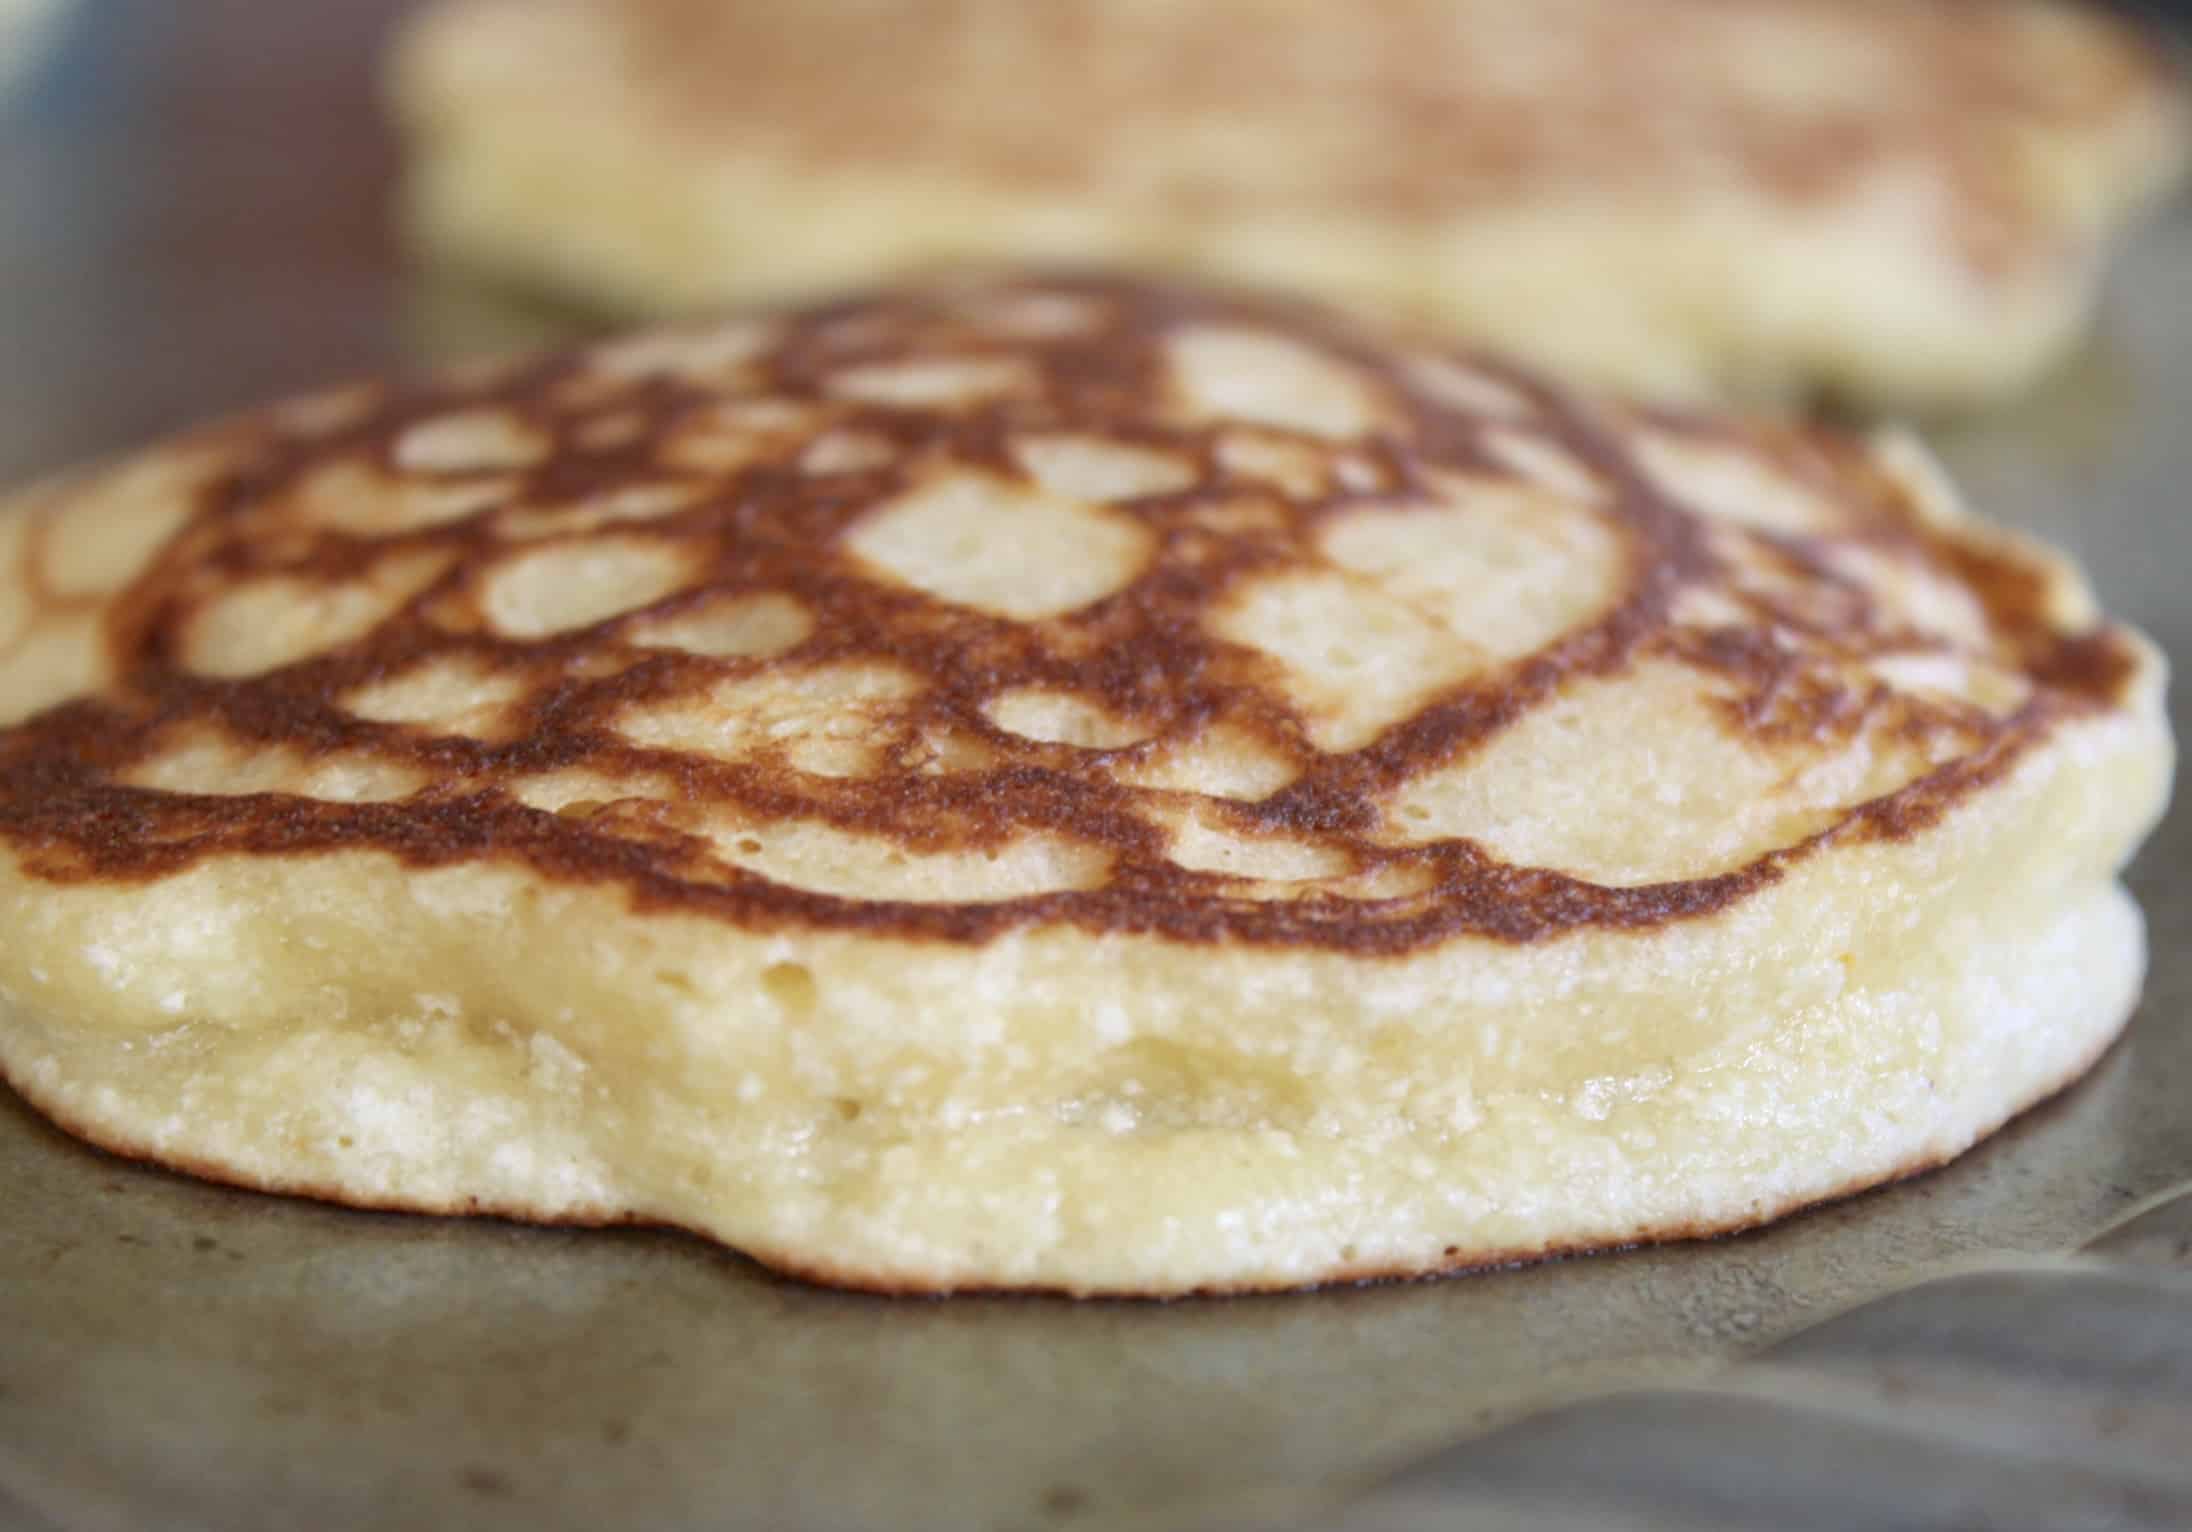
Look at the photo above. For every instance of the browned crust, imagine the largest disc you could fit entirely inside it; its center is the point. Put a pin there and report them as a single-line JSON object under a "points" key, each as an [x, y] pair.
{"points": [[822, 1271], [68, 815]]}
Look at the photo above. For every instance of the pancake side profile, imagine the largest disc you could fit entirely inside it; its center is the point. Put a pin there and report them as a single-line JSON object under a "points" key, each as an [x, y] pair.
{"points": [[1897, 204], [1043, 784]]}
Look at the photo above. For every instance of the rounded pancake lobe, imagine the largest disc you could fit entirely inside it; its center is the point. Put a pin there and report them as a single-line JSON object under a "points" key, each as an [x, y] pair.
{"points": [[1191, 795], [1900, 203]]}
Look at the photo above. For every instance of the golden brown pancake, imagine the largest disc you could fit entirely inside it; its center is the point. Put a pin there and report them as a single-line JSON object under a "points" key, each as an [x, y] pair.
{"points": [[1900, 203], [1067, 785]]}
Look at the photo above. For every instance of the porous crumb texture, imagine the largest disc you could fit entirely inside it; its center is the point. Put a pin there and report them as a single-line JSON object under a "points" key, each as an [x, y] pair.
{"points": [[1053, 783], [1902, 203]]}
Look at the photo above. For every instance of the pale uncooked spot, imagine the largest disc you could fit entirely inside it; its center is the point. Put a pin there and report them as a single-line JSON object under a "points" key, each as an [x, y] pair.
{"points": [[528, 523], [743, 627], [859, 331], [576, 787], [708, 354], [1948, 675], [1387, 880], [450, 694], [1705, 607], [977, 541], [836, 452], [1257, 377], [200, 759], [357, 496], [720, 441], [561, 587], [1221, 761], [823, 859], [1291, 467], [932, 383], [278, 620], [1359, 475], [142, 504], [945, 748], [361, 779], [1697, 799], [834, 754], [1062, 718], [329, 410], [1094, 468], [17, 590], [608, 431], [470, 441], [701, 451], [62, 656], [774, 415], [1906, 459], [1732, 484], [1352, 658], [1539, 460], [1036, 315], [1802, 60], [1911, 594], [1466, 389], [838, 713], [633, 502], [1246, 515], [1506, 570], [1778, 592], [1205, 843]]}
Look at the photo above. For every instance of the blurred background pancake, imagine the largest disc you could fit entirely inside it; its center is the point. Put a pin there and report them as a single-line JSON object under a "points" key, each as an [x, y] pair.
{"points": [[1900, 204]]}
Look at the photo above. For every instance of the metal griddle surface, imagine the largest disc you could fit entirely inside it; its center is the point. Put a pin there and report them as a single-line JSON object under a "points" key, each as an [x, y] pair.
{"points": [[175, 1355]]}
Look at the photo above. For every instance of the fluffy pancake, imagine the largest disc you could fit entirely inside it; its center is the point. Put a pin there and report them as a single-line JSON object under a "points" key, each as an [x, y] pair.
{"points": [[1066, 785], [1899, 203]]}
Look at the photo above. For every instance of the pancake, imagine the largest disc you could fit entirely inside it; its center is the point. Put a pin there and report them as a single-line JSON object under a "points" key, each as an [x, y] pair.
{"points": [[1058, 785], [1895, 203]]}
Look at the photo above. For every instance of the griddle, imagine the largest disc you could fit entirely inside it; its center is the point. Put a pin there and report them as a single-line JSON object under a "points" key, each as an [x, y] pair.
{"points": [[195, 221]]}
